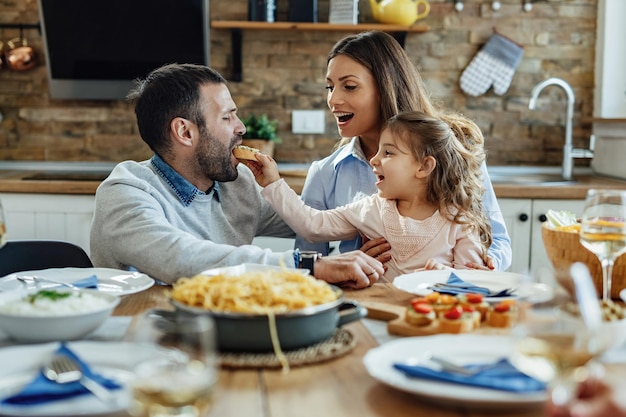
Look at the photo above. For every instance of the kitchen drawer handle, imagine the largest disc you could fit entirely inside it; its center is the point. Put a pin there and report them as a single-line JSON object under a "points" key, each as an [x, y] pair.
{"points": [[523, 217], [542, 218]]}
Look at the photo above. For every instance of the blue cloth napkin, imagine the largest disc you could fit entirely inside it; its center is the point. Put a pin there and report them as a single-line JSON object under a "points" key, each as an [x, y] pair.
{"points": [[455, 285], [501, 376], [41, 390], [89, 282]]}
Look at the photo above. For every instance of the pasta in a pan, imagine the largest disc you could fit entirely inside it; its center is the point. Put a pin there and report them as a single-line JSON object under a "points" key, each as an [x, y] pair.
{"points": [[253, 292]]}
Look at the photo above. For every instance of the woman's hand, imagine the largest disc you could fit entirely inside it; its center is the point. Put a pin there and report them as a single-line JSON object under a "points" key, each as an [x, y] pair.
{"points": [[376, 248]]}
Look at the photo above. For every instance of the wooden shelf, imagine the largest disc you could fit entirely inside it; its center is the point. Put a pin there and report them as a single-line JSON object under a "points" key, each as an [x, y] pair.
{"points": [[236, 26], [338, 27]]}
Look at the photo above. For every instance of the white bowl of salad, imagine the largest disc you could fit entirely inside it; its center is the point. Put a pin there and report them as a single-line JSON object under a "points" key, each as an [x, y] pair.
{"points": [[53, 314]]}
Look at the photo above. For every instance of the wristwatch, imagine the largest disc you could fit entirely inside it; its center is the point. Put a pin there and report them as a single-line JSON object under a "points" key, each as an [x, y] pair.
{"points": [[307, 259]]}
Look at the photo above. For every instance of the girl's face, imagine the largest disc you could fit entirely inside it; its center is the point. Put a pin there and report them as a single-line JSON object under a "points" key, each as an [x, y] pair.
{"points": [[353, 98], [397, 170]]}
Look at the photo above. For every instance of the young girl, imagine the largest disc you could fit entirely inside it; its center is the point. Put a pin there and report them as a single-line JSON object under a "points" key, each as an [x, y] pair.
{"points": [[428, 205]]}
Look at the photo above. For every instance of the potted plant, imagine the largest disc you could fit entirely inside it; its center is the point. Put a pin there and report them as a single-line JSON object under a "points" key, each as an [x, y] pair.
{"points": [[261, 133]]}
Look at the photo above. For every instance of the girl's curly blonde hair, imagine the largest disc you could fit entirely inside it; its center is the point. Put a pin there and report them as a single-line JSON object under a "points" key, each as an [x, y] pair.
{"points": [[456, 183]]}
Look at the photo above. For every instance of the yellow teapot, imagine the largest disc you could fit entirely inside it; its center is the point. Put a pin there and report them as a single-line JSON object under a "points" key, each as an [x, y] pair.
{"points": [[399, 12]]}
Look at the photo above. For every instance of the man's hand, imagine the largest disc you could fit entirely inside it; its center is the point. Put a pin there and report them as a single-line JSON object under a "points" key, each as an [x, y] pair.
{"points": [[350, 269]]}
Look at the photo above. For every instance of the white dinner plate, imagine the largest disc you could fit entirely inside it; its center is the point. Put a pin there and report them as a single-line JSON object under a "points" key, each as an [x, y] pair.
{"points": [[114, 360], [418, 282], [114, 281], [460, 349]]}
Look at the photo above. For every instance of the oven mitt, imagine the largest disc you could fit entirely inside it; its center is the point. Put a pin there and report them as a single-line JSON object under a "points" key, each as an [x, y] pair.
{"points": [[494, 65], [500, 376], [41, 390]]}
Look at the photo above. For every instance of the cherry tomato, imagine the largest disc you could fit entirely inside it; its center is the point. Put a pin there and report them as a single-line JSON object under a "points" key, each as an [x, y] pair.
{"points": [[422, 308], [419, 300], [502, 307], [454, 313], [474, 298]]}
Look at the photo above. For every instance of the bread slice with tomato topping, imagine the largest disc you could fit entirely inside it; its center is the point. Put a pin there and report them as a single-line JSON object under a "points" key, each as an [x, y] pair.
{"points": [[503, 314], [455, 320], [475, 301], [420, 313]]}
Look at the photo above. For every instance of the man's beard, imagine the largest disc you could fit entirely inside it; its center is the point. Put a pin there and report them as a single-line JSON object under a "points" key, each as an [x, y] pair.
{"points": [[214, 159]]}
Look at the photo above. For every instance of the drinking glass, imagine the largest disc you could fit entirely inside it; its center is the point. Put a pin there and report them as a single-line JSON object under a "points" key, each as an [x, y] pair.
{"points": [[603, 230], [556, 340], [3, 227], [181, 376]]}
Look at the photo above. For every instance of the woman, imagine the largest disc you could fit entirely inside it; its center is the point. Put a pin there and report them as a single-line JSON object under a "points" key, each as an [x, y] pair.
{"points": [[370, 79]]}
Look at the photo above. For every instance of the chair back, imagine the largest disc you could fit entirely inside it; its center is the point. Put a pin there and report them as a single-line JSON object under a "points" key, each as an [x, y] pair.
{"points": [[26, 255]]}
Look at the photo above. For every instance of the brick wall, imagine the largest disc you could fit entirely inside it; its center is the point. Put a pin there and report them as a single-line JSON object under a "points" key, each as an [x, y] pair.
{"points": [[285, 70]]}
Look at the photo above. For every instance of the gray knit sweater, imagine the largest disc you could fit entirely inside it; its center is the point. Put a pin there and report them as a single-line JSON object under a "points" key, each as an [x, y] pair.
{"points": [[149, 218]]}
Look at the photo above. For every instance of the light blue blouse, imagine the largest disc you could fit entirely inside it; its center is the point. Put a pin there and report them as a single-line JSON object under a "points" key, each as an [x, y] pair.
{"points": [[346, 176]]}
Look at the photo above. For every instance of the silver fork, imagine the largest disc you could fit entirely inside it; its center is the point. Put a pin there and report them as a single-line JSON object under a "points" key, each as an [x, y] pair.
{"points": [[32, 278], [446, 365], [63, 370]]}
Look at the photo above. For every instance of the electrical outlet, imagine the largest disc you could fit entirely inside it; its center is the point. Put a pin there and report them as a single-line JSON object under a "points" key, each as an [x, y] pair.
{"points": [[308, 121]]}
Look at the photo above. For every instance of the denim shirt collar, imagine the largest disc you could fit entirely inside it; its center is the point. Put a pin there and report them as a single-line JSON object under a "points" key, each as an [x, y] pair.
{"points": [[184, 190]]}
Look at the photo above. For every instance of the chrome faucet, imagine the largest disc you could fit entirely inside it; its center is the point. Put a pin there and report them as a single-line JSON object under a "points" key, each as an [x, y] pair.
{"points": [[569, 153]]}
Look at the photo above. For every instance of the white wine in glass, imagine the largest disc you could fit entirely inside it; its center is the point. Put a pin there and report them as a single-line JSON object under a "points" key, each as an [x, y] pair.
{"points": [[603, 230], [180, 380], [556, 352], [556, 340]]}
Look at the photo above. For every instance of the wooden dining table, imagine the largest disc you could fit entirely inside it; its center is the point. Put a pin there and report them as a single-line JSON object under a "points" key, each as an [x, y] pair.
{"points": [[335, 388]]}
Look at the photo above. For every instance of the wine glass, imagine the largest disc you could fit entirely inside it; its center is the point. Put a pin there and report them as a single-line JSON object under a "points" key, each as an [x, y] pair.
{"points": [[557, 340], [3, 227], [603, 230], [181, 376]]}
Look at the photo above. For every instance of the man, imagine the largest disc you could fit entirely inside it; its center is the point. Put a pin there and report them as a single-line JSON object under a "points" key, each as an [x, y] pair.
{"points": [[192, 206]]}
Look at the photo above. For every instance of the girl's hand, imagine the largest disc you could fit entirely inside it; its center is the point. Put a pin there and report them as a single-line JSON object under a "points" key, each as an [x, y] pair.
{"points": [[265, 169], [433, 265], [488, 267]]}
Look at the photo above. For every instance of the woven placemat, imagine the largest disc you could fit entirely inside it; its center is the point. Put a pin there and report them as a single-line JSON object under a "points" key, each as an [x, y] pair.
{"points": [[340, 343]]}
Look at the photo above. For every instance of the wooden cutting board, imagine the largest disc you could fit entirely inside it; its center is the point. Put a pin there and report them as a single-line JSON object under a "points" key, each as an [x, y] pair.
{"points": [[397, 325]]}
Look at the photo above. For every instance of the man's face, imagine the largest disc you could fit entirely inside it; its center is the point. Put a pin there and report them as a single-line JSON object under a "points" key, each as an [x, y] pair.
{"points": [[220, 134]]}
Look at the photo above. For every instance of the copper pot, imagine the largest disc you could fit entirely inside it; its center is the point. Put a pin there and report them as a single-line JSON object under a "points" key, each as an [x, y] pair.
{"points": [[20, 56]]}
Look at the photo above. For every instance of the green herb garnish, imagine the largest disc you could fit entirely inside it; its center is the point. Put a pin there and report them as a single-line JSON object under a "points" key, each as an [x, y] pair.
{"points": [[50, 294]]}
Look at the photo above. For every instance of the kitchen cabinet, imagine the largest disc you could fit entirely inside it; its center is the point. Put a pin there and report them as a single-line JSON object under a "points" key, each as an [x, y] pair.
{"points": [[523, 219], [49, 216]]}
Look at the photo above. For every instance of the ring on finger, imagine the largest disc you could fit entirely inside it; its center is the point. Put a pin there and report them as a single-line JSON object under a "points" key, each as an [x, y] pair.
{"points": [[371, 273]]}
